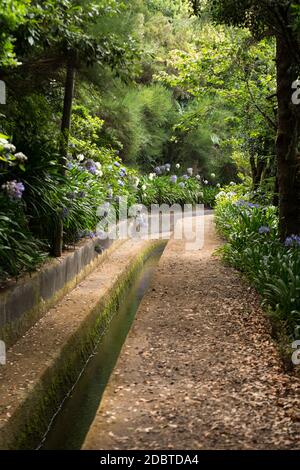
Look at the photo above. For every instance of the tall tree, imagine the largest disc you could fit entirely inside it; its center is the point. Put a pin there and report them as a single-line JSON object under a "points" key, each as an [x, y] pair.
{"points": [[59, 35], [280, 19]]}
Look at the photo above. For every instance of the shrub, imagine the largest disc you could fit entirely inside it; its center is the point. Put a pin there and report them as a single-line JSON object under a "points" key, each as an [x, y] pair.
{"points": [[139, 120], [19, 250], [253, 246], [166, 186]]}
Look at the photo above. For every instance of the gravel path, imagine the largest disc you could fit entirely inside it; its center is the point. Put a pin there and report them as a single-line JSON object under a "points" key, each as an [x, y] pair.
{"points": [[199, 369]]}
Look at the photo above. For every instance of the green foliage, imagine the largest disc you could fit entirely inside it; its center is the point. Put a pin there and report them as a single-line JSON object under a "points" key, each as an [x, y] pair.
{"points": [[253, 247], [164, 189], [140, 121], [19, 250], [31, 122], [12, 14], [62, 29], [169, 8], [226, 84], [257, 15], [201, 138], [154, 84]]}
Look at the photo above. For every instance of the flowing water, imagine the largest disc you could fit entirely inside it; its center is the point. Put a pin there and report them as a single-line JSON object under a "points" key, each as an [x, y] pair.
{"points": [[72, 422]]}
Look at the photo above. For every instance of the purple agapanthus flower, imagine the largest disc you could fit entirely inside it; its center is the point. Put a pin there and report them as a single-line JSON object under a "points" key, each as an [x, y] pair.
{"points": [[91, 167], [181, 185], [157, 170], [292, 241], [70, 165], [185, 177], [121, 183], [251, 205], [117, 164], [65, 213], [14, 189], [241, 203], [91, 234], [173, 179], [264, 229]]}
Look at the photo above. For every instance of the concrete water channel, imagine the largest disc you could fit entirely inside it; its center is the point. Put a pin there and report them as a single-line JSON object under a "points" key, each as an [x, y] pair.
{"points": [[52, 384], [70, 425]]}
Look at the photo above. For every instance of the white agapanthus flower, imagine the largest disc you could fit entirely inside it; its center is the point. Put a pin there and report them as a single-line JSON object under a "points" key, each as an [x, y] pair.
{"points": [[144, 187], [177, 166], [136, 182], [213, 175], [152, 176], [218, 185], [20, 157], [9, 148], [98, 165], [232, 183], [205, 182], [80, 157], [198, 177], [3, 141], [221, 194]]}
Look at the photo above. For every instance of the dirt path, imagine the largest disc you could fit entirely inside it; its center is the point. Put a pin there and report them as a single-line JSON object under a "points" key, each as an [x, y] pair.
{"points": [[199, 369]]}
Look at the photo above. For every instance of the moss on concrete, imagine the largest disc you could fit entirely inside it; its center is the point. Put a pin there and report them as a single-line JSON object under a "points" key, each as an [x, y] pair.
{"points": [[13, 330], [25, 429]]}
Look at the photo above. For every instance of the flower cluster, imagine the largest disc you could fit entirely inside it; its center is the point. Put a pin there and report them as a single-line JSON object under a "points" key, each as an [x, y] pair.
{"points": [[292, 241], [10, 157], [91, 167], [264, 229], [14, 189], [164, 169], [251, 205], [228, 196], [20, 157], [123, 172], [7, 147]]}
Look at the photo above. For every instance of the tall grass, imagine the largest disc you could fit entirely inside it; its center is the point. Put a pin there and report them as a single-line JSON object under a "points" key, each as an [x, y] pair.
{"points": [[253, 246]]}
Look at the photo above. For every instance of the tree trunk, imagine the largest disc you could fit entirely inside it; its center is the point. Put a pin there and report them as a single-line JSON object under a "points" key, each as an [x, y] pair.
{"points": [[258, 166], [276, 193], [67, 111], [65, 132], [288, 159], [58, 232]]}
